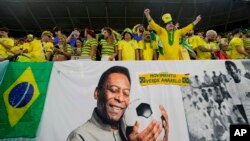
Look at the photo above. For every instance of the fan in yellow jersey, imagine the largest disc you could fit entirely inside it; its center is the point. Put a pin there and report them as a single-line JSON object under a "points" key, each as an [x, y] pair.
{"points": [[169, 36], [62, 51], [6, 43], [23, 50], [206, 47], [20, 51], [41, 50], [148, 46], [237, 47], [128, 47], [192, 39]]}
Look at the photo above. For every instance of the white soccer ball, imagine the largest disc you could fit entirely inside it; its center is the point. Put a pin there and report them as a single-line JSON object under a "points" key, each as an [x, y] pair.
{"points": [[141, 112]]}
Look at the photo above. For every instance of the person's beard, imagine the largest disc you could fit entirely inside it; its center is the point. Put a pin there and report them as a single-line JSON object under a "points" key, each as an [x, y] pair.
{"points": [[102, 111]]}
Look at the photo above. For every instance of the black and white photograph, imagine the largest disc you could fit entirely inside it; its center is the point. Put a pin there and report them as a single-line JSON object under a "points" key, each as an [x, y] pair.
{"points": [[216, 98]]}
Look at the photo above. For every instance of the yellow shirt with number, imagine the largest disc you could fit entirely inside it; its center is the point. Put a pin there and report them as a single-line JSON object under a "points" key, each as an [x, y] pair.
{"points": [[128, 49], [233, 44], [170, 41], [3, 51]]}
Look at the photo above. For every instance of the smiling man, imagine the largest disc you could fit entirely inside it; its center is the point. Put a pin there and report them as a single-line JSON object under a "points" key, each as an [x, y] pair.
{"points": [[113, 96]]}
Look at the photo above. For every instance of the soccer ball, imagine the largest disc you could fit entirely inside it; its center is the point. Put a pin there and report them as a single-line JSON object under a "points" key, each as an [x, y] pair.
{"points": [[141, 112]]}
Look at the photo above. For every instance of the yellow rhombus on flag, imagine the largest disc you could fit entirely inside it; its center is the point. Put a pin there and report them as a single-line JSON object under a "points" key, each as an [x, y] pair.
{"points": [[20, 96]]}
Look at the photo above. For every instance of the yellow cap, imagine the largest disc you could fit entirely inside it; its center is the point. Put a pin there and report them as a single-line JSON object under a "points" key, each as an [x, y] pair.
{"points": [[30, 36], [167, 18], [47, 33]]}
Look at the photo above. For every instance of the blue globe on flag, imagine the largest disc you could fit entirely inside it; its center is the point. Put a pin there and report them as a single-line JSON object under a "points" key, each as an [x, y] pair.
{"points": [[21, 94]]}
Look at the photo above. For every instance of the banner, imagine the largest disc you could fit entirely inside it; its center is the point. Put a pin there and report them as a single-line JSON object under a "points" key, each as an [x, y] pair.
{"points": [[23, 93], [70, 100], [202, 98]]}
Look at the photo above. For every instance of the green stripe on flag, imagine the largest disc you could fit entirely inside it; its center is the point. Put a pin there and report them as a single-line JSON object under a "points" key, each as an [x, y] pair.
{"points": [[22, 97]]}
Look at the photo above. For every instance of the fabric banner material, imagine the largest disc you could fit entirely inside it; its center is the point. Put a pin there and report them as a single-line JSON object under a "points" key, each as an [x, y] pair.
{"points": [[202, 98], [70, 100], [23, 93]]}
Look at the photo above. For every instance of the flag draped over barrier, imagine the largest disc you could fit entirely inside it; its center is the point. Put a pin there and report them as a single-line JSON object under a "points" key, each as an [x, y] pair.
{"points": [[23, 93]]}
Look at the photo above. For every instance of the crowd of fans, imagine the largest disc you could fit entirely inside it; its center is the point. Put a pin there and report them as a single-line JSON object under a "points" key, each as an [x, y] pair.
{"points": [[152, 43]]}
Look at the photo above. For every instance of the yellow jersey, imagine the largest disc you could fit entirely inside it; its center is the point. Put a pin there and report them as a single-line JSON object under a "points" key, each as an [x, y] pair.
{"points": [[233, 44], [170, 40], [8, 41], [128, 49]]}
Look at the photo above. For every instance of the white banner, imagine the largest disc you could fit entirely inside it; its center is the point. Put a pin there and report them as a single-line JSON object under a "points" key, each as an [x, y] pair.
{"points": [[218, 95], [70, 98]]}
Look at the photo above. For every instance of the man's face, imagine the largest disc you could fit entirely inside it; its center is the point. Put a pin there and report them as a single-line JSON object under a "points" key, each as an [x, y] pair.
{"points": [[127, 36], [190, 33], [57, 33], [3, 34], [170, 26], [46, 38], [141, 29], [117, 95]]}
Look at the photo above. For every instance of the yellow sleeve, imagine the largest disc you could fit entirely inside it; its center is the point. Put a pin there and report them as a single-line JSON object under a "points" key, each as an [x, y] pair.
{"points": [[155, 27], [185, 30], [27, 46], [15, 48], [10, 42], [119, 45], [49, 47]]}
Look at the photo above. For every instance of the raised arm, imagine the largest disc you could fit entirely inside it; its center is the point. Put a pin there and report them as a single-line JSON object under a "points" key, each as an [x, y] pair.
{"points": [[197, 20], [151, 22], [189, 27]]}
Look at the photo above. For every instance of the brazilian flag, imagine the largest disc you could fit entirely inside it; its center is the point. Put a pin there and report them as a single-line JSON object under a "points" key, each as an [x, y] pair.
{"points": [[22, 97]]}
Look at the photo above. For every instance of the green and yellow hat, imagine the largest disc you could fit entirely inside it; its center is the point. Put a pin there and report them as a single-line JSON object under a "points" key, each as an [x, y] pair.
{"points": [[47, 33], [167, 18], [127, 30], [30, 36]]}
